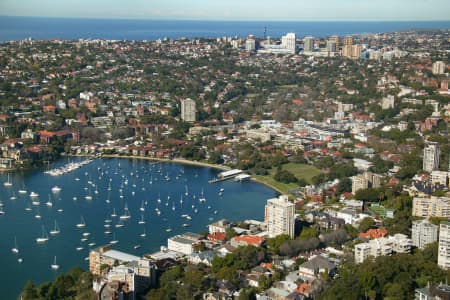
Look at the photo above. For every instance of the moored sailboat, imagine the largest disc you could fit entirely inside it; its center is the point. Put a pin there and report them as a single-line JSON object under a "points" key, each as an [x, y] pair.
{"points": [[43, 238], [54, 266], [55, 230]]}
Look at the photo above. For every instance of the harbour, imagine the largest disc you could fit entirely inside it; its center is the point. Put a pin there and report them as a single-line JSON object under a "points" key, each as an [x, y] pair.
{"points": [[127, 202]]}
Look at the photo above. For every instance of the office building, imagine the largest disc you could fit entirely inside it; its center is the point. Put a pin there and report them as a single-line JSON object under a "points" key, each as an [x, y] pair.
{"points": [[331, 46], [431, 157], [438, 67], [335, 39], [308, 44], [431, 207], [250, 44], [423, 233], [188, 110], [280, 216], [347, 43], [444, 245], [289, 42], [356, 51]]}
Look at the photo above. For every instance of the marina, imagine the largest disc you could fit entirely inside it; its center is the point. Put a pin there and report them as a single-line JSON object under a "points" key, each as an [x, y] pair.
{"points": [[143, 209], [72, 166]]}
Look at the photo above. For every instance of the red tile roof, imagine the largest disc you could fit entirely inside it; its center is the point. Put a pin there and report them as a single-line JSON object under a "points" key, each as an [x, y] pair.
{"points": [[374, 233]]}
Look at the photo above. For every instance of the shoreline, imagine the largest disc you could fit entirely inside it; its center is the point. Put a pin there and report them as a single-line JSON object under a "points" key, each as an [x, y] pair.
{"points": [[180, 161]]}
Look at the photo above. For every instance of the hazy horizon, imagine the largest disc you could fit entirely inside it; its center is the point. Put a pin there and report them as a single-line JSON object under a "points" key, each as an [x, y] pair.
{"points": [[234, 10]]}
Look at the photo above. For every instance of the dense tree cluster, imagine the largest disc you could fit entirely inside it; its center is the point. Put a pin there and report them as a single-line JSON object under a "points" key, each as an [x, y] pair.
{"points": [[387, 277], [76, 284]]}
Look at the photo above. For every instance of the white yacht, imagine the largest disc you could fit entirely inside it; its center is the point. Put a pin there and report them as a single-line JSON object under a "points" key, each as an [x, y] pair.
{"points": [[56, 189]]}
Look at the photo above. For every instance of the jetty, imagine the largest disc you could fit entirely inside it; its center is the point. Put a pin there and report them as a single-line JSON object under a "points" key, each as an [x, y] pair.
{"points": [[226, 175]]}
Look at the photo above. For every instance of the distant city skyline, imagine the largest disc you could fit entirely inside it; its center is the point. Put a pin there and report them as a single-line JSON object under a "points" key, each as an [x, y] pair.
{"points": [[288, 10]]}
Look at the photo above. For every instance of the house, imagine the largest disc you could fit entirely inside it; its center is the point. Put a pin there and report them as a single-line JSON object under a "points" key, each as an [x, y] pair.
{"points": [[315, 266], [225, 249], [213, 296], [328, 222], [219, 226], [217, 237], [374, 233], [204, 257], [277, 294], [247, 240], [433, 292]]}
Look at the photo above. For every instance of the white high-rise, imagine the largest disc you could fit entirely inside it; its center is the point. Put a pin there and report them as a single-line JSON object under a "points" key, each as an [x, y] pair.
{"points": [[289, 42], [438, 67], [444, 245], [188, 110], [280, 216], [423, 233], [431, 157], [250, 44]]}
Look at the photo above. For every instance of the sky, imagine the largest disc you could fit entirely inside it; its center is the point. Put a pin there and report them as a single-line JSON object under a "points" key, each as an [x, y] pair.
{"points": [[277, 10]]}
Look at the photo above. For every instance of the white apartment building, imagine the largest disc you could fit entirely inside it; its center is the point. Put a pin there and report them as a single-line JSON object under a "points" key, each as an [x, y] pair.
{"points": [[423, 233], [181, 244], [365, 180], [280, 216], [438, 67], [188, 110], [440, 177], [388, 102], [219, 226], [431, 207], [250, 44], [431, 157], [444, 245], [399, 243]]}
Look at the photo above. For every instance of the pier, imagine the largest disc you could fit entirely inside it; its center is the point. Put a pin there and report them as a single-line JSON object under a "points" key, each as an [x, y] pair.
{"points": [[226, 175]]}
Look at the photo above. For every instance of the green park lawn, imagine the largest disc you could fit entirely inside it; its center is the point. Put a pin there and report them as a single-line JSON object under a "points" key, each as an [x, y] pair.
{"points": [[301, 171]]}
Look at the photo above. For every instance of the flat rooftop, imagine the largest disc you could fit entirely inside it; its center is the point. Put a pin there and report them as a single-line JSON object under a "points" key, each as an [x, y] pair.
{"points": [[121, 256], [165, 255]]}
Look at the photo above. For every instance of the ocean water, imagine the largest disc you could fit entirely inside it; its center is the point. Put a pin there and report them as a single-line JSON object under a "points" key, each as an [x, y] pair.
{"points": [[134, 183], [17, 28]]}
